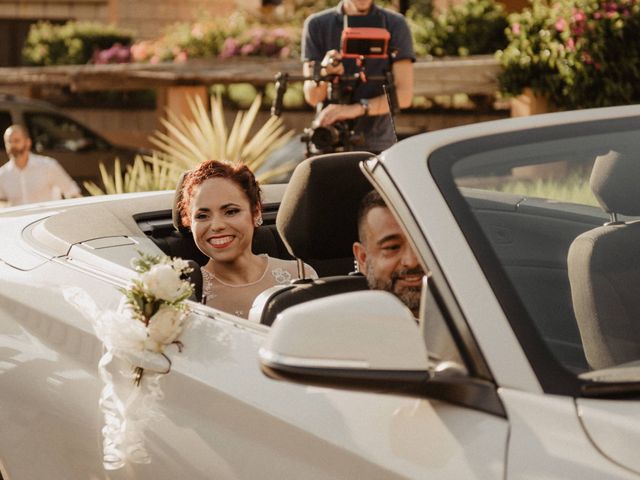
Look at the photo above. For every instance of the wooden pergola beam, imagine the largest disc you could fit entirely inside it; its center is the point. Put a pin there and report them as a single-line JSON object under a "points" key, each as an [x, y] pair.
{"points": [[472, 75]]}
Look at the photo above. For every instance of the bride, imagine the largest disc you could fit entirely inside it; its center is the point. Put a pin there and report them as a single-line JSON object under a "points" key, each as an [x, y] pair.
{"points": [[221, 202]]}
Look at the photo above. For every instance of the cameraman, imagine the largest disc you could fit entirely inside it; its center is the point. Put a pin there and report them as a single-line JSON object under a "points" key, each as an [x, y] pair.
{"points": [[369, 108]]}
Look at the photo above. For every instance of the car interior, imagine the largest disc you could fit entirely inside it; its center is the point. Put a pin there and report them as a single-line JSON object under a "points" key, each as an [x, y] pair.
{"points": [[531, 238], [571, 266], [316, 223], [604, 266]]}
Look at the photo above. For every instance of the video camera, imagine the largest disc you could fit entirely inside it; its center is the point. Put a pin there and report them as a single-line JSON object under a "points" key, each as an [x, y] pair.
{"points": [[366, 41], [363, 37]]}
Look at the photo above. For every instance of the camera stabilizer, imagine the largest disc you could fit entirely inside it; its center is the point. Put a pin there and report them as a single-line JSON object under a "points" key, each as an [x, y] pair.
{"points": [[359, 43]]}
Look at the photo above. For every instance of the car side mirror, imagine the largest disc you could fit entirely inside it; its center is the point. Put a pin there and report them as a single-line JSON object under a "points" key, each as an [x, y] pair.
{"points": [[366, 340]]}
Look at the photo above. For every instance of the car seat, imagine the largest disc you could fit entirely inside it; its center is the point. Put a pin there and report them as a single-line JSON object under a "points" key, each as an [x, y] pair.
{"points": [[604, 266], [317, 222]]}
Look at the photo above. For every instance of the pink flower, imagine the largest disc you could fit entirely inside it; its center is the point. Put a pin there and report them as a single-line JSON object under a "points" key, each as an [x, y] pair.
{"points": [[258, 32], [141, 51], [578, 30], [247, 49], [561, 24], [285, 52], [571, 45], [117, 53], [197, 31], [611, 7], [229, 48], [181, 57], [578, 16], [515, 28]]}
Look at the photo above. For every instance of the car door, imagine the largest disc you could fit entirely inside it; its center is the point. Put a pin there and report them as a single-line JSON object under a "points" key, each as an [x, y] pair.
{"points": [[240, 424], [505, 261], [219, 417]]}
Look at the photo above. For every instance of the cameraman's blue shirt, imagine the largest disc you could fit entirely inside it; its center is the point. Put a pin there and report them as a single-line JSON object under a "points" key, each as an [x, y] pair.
{"points": [[322, 32]]}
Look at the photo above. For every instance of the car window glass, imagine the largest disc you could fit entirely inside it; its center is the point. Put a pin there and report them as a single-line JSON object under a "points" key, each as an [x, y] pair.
{"points": [[57, 132], [5, 122], [530, 196], [437, 335]]}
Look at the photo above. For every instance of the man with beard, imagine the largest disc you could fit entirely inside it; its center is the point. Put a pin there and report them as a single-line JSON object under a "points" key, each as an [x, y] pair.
{"points": [[27, 177], [384, 254]]}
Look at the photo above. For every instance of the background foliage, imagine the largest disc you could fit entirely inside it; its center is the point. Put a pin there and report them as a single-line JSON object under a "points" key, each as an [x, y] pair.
{"points": [[578, 53], [71, 43], [211, 37], [471, 28], [188, 140]]}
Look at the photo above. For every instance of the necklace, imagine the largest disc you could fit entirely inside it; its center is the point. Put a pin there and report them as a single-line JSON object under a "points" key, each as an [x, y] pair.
{"points": [[239, 285]]}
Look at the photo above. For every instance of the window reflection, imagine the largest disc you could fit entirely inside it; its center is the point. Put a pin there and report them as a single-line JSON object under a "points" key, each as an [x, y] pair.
{"points": [[56, 132]]}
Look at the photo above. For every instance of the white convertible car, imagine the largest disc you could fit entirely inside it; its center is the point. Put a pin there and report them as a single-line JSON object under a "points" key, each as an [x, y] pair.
{"points": [[525, 362]]}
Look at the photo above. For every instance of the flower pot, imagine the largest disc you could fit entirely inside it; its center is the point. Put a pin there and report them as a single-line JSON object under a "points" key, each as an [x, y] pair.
{"points": [[529, 103]]}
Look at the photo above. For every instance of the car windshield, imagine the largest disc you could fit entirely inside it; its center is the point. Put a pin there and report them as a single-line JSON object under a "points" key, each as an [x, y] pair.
{"points": [[55, 132], [555, 258]]}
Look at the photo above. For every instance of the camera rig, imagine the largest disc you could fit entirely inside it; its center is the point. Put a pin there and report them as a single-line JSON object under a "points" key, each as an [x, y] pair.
{"points": [[359, 41]]}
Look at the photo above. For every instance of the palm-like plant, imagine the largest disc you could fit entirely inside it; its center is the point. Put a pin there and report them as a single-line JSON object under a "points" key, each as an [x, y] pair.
{"points": [[192, 139], [204, 135], [147, 173]]}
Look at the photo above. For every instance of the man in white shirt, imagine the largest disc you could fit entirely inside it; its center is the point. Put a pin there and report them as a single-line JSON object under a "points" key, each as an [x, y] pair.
{"points": [[30, 178]]}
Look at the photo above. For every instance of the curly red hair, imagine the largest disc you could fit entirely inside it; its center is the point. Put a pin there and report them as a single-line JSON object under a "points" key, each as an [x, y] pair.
{"points": [[240, 174]]}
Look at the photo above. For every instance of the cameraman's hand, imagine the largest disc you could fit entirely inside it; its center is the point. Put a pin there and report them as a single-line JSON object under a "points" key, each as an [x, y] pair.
{"points": [[334, 112], [332, 63]]}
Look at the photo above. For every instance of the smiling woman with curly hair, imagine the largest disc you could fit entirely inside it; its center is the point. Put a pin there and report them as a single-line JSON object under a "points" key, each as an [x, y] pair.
{"points": [[221, 202]]}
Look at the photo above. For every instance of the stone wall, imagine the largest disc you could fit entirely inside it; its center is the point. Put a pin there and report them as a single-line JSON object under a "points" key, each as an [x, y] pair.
{"points": [[149, 17], [54, 9]]}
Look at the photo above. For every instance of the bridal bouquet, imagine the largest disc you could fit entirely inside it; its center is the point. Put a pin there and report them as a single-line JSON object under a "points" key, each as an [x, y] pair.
{"points": [[136, 336], [155, 300]]}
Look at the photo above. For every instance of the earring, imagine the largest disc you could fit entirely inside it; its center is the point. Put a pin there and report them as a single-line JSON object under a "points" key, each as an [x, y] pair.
{"points": [[258, 221]]}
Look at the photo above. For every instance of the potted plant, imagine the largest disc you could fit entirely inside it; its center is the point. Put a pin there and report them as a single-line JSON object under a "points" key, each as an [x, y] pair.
{"points": [[573, 54]]}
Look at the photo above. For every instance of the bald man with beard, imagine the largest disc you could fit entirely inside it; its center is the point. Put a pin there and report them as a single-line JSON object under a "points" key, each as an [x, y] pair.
{"points": [[28, 177]]}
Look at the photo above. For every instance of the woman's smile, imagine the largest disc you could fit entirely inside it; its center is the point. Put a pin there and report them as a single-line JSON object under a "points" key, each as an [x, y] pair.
{"points": [[221, 241]]}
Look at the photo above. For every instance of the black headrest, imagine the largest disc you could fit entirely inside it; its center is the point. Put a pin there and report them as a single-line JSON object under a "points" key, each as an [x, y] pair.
{"points": [[176, 216], [317, 218], [614, 181], [195, 277]]}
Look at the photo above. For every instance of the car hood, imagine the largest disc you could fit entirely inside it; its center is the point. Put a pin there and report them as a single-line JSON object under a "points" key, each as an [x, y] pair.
{"points": [[614, 428]]}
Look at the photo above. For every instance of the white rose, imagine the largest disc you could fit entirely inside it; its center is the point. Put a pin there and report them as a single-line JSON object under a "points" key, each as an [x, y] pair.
{"points": [[180, 265], [163, 282], [164, 327]]}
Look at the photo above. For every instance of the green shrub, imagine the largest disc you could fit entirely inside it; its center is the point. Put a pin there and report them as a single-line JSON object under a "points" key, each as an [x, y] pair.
{"points": [[225, 37], [70, 43], [471, 28], [577, 53]]}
